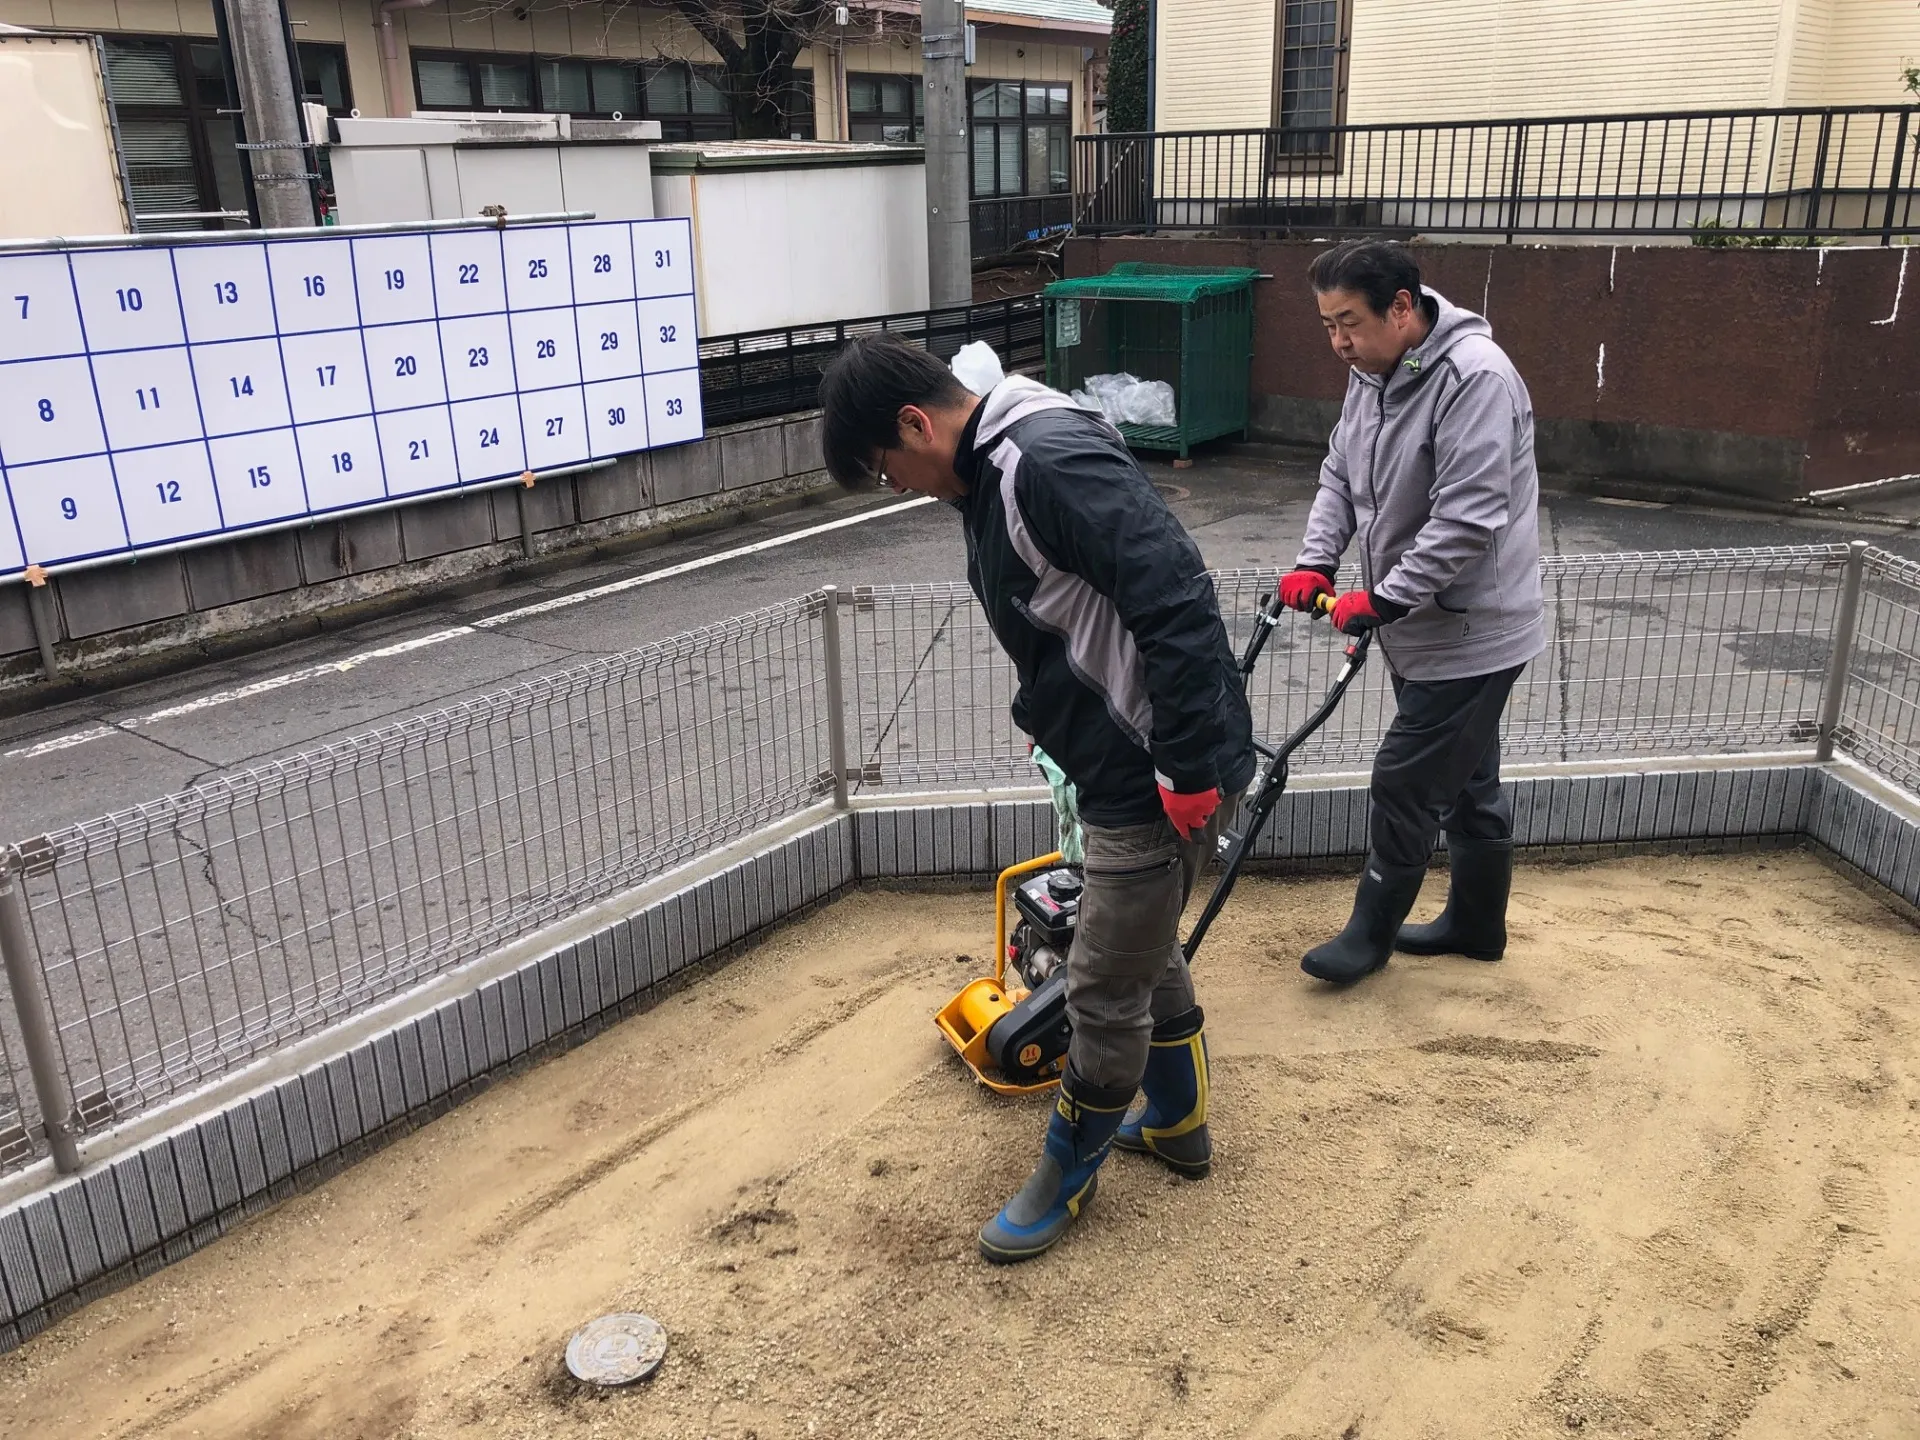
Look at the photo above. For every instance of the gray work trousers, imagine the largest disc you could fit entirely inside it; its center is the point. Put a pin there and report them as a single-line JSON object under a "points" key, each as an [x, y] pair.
{"points": [[1126, 970], [1438, 767]]}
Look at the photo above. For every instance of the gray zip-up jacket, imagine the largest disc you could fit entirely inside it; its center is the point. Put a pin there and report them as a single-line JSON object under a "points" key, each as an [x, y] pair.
{"points": [[1432, 467]]}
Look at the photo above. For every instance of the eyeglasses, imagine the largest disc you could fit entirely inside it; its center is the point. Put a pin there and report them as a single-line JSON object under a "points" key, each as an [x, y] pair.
{"points": [[879, 472]]}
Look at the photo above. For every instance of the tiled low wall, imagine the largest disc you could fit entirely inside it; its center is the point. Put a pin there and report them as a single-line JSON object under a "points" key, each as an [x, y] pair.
{"points": [[1327, 819], [175, 1192], [1872, 828], [160, 1202]]}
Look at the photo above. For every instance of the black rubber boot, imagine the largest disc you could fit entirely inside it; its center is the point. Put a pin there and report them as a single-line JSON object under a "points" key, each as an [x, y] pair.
{"points": [[1474, 924], [1386, 894]]}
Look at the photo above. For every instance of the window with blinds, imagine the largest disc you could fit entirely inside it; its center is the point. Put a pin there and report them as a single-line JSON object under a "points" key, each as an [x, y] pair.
{"points": [[183, 170], [1021, 133], [473, 82], [886, 109], [160, 168], [689, 101], [505, 84], [442, 84], [178, 132], [144, 72]]}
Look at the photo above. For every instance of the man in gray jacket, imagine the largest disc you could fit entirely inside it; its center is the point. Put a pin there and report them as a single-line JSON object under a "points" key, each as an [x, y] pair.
{"points": [[1431, 467]]}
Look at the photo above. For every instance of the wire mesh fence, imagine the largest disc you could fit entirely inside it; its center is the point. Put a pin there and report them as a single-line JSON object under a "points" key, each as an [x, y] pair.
{"points": [[1680, 653], [1880, 714], [178, 940], [182, 938], [19, 1116]]}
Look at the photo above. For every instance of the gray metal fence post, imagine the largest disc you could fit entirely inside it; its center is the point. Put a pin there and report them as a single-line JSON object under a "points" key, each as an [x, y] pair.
{"points": [[50, 1086], [40, 614], [1517, 155], [836, 694], [1834, 691], [526, 519], [1893, 175]]}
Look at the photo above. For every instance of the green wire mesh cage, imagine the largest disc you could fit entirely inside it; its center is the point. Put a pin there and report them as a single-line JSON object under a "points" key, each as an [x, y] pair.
{"points": [[1191, 328]]}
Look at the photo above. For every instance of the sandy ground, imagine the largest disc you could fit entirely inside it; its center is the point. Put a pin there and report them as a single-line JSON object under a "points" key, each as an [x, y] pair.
{"points": [[1658, 1174]]}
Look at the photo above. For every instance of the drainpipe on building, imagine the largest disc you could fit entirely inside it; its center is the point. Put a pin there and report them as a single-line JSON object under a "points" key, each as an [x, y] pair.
{"points": [[399, 92], [836, 96]]}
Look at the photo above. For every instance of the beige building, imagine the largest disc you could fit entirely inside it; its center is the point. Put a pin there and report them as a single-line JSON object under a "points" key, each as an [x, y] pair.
{"points": [[1233, 63], [1037, 69], [1454, 118]]}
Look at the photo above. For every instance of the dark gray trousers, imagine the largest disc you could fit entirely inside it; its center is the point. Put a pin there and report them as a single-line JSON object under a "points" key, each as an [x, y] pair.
{"points": [[1126, 970], [1438, 768]]}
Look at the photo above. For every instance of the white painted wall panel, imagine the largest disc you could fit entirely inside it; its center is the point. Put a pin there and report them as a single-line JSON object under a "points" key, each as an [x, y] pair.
{"points": [[796, 246]]}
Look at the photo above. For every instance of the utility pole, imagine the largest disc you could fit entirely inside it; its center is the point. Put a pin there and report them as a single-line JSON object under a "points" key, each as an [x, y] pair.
{"points": [[275, 138], [943, 48]]}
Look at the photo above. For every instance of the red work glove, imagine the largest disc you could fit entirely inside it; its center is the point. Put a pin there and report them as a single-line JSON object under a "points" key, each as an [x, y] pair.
{"points": [[1298, 588], [1189, 813], [1358, 611]]}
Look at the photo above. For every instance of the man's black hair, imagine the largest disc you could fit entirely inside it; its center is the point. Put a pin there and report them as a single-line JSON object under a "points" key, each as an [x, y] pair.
{"points": [[862, 393], [1376, 269]]}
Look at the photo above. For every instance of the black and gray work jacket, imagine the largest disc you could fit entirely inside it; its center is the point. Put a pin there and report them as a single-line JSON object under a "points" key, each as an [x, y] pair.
{"points": [[1102, 601]]}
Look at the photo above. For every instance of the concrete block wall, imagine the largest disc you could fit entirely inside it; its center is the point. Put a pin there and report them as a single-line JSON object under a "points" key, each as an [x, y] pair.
{"points": [[266, 588], [160, 1200], [1823, 394]]}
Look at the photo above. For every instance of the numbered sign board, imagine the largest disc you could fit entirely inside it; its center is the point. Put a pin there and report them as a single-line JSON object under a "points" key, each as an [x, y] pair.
{"points": [[157, 394]]}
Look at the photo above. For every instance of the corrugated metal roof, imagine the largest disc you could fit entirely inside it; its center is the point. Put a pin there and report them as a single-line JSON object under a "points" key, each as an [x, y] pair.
{"points": [[1074, 12]]}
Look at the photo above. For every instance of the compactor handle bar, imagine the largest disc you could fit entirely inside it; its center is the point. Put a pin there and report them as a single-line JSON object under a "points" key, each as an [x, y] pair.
{"points": [[1267, 794]]}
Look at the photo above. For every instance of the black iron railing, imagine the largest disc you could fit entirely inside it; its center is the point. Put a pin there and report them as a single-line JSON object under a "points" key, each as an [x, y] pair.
{"points": [[1004, 226], [775, 372], [1842, 171]]}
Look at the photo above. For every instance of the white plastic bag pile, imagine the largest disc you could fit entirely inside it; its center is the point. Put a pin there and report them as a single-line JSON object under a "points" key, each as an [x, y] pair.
{"points": [[1128, 400], [1124, 399]]}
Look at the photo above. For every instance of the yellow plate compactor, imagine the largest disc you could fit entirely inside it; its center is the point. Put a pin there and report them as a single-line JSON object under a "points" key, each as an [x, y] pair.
{"points": [[1011, 1028]]}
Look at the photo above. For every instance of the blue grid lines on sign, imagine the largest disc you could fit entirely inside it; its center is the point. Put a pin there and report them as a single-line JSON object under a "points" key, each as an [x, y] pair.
{"points": [[158, 395]]}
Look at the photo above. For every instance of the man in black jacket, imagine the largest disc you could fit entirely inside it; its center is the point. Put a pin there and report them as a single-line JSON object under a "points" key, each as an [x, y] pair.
{"points": [[1126, 678]]}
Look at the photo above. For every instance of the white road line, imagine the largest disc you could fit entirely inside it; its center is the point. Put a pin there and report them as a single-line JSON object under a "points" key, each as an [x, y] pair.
{"points": [[421, 642], [560, 602], [294, 677], [65, 742]]}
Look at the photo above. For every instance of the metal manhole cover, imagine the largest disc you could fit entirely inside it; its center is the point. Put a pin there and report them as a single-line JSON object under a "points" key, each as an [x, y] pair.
{"points": [[617, 1349]]}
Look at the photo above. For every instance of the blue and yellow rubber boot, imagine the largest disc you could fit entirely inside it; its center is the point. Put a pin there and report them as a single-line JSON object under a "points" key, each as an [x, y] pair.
{"points": [[1079, 1134], [1169, 1120]]}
